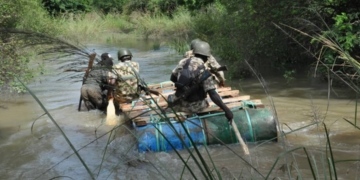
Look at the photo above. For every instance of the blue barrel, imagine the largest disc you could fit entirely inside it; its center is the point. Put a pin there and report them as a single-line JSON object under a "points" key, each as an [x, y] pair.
{"points": [[151, 136], [255, 125]]}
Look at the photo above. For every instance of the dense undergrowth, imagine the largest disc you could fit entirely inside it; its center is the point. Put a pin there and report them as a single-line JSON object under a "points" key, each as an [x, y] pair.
{"points": [[237, 30]]}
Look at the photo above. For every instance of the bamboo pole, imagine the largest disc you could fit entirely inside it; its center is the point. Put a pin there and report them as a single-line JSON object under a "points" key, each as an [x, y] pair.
{"points": [[242, 143]]}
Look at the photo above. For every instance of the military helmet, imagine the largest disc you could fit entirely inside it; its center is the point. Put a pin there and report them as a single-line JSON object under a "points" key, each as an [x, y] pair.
{"points": [[106, 56], [123, 52], [193, 42], [202, 48], [106, 60]]}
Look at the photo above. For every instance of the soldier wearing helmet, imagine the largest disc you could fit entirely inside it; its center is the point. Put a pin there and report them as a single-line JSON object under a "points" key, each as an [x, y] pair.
{"points": [[124, 55], [93, 90], [190, 53], [125, 78], [194, 64], [211, 63]]}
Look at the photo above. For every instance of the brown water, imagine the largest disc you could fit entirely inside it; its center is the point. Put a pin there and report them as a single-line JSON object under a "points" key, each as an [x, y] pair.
{"points": [[42, 153]]}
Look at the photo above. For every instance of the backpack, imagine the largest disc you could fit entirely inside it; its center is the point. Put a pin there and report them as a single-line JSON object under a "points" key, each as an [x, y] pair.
{"points": [[189, 79]]}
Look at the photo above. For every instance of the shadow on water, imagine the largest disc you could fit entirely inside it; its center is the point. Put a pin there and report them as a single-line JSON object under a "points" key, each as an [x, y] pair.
{"points": [[25, 156]]}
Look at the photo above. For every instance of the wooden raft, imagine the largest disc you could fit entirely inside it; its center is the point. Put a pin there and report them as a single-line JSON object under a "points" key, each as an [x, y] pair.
{"points": [[148, 105]]}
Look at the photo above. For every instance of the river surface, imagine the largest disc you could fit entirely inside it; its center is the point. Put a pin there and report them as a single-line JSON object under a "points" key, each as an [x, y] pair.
{"points": [[38, 150]]}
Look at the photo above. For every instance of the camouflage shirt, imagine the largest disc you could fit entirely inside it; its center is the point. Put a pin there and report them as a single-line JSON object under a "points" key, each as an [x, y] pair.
{"points": [[126, 81], [211, 63], [208, 84]]}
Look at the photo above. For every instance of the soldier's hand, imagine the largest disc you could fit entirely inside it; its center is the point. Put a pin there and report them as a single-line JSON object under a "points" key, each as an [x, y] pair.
{"points": [[222, 84], [229, 115]]}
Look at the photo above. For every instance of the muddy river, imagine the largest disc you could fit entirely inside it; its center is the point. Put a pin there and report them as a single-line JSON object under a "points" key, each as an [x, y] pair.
{"points": [[31, 147]]}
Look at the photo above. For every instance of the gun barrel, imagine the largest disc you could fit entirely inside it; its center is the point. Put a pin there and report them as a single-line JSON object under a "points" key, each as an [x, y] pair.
{"points": [[222, 68]]}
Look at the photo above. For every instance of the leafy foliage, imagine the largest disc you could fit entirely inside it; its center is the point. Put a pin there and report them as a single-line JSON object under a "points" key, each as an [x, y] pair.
{"points": [[14, 61], [245, 30], [107, 6], [345, 31], [55, 7], [13, 64]]}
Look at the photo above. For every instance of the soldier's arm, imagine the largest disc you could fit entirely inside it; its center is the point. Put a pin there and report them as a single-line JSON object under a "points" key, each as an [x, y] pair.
{"points": [[214, 64], [177, 69], [173, 78], [217, 100]]}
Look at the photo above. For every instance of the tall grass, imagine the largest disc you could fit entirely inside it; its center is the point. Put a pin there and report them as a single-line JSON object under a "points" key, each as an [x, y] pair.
{"points": [[96, 26]]}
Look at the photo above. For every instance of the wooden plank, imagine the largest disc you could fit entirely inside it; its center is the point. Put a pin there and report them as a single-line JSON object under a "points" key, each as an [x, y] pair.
{"points": [[164, 103], [144, 120], [232, 93], [132, 114], [229, 93], [145, 106], [174, 88], [223, 89], [233, 99], [128, 107], [158, 85], [208, 109], [170, 115]]}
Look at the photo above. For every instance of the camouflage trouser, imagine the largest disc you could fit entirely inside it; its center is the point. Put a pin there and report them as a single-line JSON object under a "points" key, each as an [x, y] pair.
{"points": [[190, 107], [93, 97]]}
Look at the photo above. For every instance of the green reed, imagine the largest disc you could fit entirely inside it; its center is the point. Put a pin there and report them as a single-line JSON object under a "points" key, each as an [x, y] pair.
{"points": [[59, 128], [99, 27]]}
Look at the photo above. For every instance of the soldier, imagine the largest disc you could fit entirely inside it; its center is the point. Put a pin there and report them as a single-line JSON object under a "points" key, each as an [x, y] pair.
{"points": [[125, 78], [189, 54], [212, 63], [93, 90], [196, 101]]}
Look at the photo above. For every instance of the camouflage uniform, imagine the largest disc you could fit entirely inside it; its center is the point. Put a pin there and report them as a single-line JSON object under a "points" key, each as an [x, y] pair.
{"points": [[212, 64], [208, 84], [189, 54], [126, 89], [92, 90]]}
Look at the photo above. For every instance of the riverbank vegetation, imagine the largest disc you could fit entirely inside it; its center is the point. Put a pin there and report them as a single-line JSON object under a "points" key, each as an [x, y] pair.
{"points": [[236, 29]]}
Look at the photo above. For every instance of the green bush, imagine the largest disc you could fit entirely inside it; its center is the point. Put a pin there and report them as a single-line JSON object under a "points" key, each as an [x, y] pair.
{"points": [[107, 6], [28, 15], [243, 29], [55, 7], [14, 64]]}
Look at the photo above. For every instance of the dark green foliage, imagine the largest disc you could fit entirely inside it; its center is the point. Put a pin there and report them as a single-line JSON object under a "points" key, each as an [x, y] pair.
{"points": [[245, 29], [55, 7], [14, 60], [194, 5], [344, 31], [13, 64], [8, 15], [107, 6], [167, 7]]}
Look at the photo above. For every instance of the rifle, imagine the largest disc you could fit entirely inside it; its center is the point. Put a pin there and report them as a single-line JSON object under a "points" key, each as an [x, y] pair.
{"points": [[189, 87], [217, 74], [90, 64], [147, 90]]}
